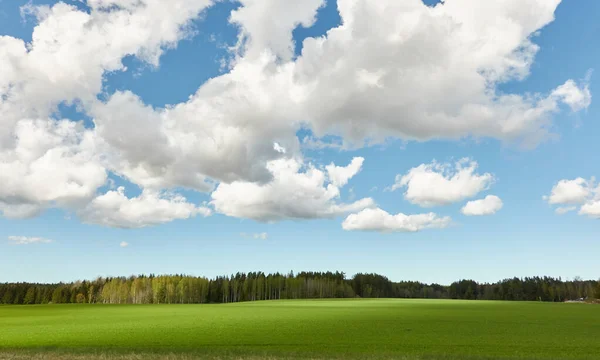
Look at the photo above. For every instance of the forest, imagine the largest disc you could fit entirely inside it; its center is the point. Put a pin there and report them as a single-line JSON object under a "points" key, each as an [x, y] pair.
{"points": [[253, 286]]}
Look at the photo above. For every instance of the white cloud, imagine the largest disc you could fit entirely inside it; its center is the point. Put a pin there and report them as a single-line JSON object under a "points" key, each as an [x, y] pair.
{"points": [[490, 205], [150, 208], [19, 211], [380, 220], [225, 132], [570, 192], [261, 236], [280, 149], [398, 78], [577, 192], [565, 209], [71, 50], [591, 209], [124, 244], [267, 25], [388, 71], [297, 191], [56, 163], [52, 163], [24, 240], [339, 175], [578, 98], [437, 184]]}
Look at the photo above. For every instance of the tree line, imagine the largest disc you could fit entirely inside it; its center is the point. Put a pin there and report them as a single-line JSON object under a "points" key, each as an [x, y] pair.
{"points": [[254, 286]]}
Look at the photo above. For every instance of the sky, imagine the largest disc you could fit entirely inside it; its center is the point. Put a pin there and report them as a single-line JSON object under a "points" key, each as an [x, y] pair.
{"points": [[420, 140]]}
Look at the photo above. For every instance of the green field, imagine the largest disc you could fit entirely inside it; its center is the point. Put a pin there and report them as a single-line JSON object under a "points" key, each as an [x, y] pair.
{"points": [[371, 329]]}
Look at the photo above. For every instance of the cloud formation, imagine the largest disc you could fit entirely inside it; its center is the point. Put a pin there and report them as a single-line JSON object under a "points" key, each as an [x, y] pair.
{"points": [[296, 191], [565, 209], [61, 148], [381, 221], [436, 184], [115, 209], [591, 209], [570, 192], [70, 52], [398, 78], [339, 175], [389, 70], [24, 240], [578, 192], [489, 205], [267, 25]]}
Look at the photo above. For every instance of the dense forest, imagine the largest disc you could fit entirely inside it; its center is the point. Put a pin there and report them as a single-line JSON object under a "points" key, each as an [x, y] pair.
{"points": [[171, 289]]}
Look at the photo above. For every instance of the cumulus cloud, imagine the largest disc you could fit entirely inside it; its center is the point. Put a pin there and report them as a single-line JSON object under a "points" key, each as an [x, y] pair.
{"points": [[19, 211], [398, 78], [115, 209], [124, 244], [57, 163], [389, 70], [297, 191], [490, 205], [53, 163], [575, 96], [221, 133], [267, 25], [577, 192], [380, 220], [339, 175], [24, 240], [438, 184], [591, 209], [570, 192], [71, 50]]}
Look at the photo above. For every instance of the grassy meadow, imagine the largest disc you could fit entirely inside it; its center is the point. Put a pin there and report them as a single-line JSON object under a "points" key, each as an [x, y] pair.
{"points": [[318, 329]]}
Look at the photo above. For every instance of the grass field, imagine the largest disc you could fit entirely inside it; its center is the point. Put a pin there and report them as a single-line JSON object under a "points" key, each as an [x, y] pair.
{"points": [[370, 329]]}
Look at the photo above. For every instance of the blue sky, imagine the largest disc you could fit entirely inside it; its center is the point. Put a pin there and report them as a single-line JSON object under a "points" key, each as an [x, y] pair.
{"points": [[523, 238]]}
